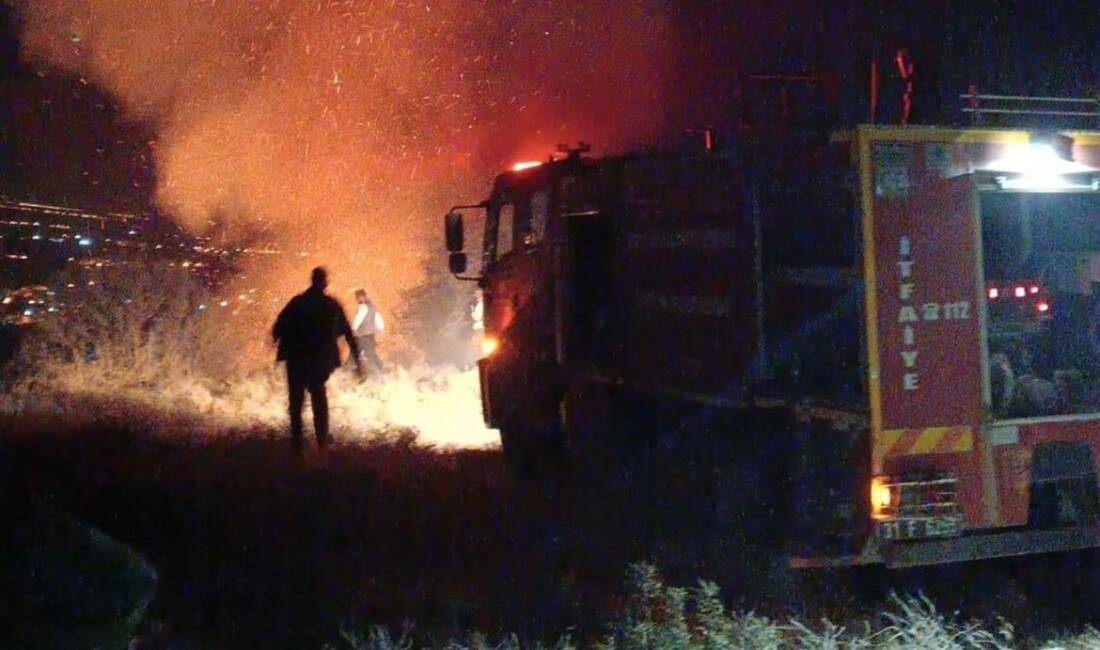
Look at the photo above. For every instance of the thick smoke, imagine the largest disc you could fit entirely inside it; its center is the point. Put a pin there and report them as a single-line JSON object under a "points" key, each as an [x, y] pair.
{"points": [[342, 129]]}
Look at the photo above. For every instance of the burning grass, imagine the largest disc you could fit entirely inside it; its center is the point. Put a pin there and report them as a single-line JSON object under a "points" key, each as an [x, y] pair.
{"points": [[148, 342], [441, 408]]}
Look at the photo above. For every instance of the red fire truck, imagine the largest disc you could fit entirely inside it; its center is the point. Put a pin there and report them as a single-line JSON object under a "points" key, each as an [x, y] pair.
{"points": [[908, 315]]}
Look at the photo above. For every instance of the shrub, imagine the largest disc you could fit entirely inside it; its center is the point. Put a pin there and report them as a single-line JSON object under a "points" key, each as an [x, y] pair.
{"points": [[137, 324], [656, 616]]}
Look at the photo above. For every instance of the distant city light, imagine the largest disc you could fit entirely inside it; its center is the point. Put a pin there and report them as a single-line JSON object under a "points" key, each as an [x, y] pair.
{"points": [[103, 237]]}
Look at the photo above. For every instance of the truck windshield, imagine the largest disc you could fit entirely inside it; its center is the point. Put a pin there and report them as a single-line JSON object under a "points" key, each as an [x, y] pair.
{"points": [[517, 219], [1041, 257]]}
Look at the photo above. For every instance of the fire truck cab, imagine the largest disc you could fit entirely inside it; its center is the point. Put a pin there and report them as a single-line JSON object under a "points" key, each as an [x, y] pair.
{"points": [[908, 315]]}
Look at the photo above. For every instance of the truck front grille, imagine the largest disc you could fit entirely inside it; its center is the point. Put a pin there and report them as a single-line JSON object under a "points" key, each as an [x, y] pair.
{"points": [[922, 498]]}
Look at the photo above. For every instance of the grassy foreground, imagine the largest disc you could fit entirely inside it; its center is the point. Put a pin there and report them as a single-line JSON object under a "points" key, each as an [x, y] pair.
{"points": [[254, 551], [656, 616]]}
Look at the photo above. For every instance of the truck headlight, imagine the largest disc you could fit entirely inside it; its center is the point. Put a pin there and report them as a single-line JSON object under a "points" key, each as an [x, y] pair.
{"points": [[489, 345], [882, 498]]}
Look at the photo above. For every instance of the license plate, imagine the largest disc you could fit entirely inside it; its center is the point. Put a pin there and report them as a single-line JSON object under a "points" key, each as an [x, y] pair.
{"points": [[901, 529]]}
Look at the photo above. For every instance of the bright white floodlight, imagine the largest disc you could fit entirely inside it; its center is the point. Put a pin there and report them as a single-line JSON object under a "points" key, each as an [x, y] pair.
{"points": [[1036, 167]]}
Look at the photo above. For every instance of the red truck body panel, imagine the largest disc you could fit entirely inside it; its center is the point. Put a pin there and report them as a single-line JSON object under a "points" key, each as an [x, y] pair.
{"points": [[683, 276]]}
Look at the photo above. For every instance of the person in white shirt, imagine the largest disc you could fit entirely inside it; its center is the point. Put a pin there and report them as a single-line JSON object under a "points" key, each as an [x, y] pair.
{"points": [[477, 313], [367, 326]]}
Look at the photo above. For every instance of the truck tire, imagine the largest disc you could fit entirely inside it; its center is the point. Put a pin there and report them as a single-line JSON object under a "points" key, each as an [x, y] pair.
{"points": [[532, 433], [528, 446], [512, 444]]}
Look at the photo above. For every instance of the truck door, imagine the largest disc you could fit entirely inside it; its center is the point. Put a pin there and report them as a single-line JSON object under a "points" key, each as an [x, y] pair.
{"points": [[517, 274], [584, 246], [517, 297]]}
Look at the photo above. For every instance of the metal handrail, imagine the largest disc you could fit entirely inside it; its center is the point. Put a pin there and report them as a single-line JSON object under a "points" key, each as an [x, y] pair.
{"points": [[1031, 105], [1008, 111], [1075, 100]]}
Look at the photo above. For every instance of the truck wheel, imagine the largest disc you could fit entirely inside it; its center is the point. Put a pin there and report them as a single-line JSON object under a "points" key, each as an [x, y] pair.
{"points": [[512, 445], [586, 423], [527, 446]]}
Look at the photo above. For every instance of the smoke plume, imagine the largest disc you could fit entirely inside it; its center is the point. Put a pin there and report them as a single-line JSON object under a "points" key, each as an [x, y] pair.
{"points": [[342, 129]]}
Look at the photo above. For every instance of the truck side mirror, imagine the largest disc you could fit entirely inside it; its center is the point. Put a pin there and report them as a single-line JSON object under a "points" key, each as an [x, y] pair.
{"points": [[455, 236], [457, 263]]}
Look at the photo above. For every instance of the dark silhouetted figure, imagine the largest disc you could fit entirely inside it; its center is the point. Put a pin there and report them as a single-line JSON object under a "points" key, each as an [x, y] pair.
{"points": [[306, 332]]}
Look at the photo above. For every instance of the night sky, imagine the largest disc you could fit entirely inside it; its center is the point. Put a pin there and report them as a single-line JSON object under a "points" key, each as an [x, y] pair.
{"points": [[64, 140]]}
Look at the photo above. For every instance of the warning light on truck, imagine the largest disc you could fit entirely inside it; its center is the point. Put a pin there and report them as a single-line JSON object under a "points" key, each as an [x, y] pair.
{"points": [[1038, 167], [1039, 159], [1043, 307]]}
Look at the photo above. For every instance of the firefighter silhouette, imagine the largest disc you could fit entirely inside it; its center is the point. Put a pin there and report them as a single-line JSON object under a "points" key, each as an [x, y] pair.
{"points": [[305, 332]]}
